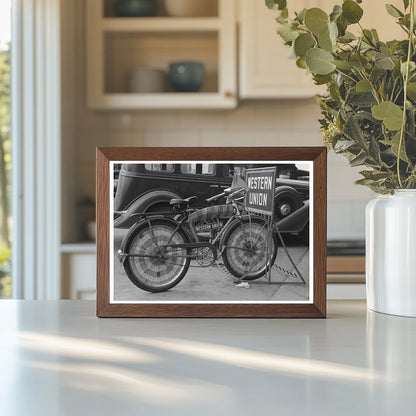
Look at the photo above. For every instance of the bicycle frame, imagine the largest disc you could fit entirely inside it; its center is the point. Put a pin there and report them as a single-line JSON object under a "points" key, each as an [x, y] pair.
{"points": [[180, 220]]}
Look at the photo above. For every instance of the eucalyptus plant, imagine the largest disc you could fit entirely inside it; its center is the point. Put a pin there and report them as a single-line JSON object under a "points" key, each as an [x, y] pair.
{"points": [[369, 111]]}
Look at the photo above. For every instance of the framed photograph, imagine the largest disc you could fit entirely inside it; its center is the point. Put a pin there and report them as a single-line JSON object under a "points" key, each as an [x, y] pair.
{"points": [[211, 232]]}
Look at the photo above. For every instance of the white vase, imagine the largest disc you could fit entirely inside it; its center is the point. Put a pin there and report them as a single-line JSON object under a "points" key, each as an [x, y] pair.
{"points": [[391, 253]]}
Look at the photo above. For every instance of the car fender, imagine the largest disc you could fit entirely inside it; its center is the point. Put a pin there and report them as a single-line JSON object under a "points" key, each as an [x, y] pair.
{"points": [[143, 204], [296, 222], [282, 192]]}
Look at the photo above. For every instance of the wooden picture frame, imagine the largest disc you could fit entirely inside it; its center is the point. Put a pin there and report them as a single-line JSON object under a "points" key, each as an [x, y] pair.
{"points": [[314, 305]]}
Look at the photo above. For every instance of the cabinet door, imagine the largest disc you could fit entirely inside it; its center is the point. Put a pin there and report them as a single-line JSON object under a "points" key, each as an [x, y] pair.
{"points": [[376, 17], [265, 68], [78, 276]]}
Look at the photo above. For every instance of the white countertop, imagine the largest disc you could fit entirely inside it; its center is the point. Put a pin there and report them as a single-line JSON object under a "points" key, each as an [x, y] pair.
{"points": [[57, 358]]}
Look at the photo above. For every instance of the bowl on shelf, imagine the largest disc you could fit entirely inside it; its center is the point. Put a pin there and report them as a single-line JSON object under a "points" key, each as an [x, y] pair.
{"points": [[191, 8], [186, 76], [135, 8], [147, 81]]}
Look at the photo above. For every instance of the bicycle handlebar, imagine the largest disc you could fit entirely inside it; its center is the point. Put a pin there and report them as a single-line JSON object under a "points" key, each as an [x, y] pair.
{"points": [[238, 193], [232, 196], [215, 197]]}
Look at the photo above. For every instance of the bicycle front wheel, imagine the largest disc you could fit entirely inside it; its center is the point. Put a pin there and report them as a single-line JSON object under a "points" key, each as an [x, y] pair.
{"points": [[153, 262], [245, 252]]}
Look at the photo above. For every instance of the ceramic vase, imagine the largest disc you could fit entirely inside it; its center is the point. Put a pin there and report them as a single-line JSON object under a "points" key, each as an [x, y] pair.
{"points": [[391, 253]]}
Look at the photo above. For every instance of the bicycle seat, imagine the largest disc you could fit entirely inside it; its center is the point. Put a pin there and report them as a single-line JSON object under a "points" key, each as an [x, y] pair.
{"points": [[183, 202]]}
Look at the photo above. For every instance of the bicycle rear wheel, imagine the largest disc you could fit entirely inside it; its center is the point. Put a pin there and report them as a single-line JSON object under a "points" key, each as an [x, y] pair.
{"points": [[152, 264], [245, 248]]}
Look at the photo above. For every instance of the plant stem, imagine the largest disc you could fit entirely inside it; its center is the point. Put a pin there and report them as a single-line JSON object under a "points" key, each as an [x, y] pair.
{"points": [[406, 80], [346, 75], [373, 88]]}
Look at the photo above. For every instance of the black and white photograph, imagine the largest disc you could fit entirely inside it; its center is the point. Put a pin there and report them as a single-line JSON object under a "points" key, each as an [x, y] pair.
{"points": [[201, 232]]}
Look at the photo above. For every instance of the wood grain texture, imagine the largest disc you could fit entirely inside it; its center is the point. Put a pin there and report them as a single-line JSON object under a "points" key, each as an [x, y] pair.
{"points": [[317, 309], [346, 264]]}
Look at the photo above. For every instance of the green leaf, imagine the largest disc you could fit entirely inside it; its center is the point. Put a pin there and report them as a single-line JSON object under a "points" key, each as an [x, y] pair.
{"points": [[347, 37], [325, 42], [382, 89], [368, 36], [351, 11], [374, 150], [342, 25], [363, 86], [303, 43], [374, 174], [393, 11], [287, 33], [394, 143], [353, 131], [362, 99], [333, 32], [411, 90], [358, 160], [301, 15], [344, 65], [321, 79], [343, 145], [406, 4], [384, 62], [320, 61], [388, 112], [301, 63], [365, 182], [358, 61], [336, 12], [375, 35], [316, 20], [276, 4], [412, 67]]}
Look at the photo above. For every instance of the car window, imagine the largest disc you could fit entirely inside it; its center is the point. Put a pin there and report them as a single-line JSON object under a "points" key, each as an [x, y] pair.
{"points": [[160, 167], [198, 168]]}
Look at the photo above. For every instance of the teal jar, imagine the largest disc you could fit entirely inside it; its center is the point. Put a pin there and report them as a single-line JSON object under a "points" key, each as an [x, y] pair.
{"points": [[135, 8]]}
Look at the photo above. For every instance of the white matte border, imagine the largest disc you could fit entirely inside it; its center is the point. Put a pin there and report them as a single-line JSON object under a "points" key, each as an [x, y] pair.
{"points": [[262, 162]]}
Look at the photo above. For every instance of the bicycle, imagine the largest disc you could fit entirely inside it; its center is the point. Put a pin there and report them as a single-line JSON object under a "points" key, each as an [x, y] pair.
{"points": [[157, 251]]}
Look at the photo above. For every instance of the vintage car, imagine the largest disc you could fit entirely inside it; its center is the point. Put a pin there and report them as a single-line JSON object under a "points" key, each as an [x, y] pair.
{"points": [[149, 187]]}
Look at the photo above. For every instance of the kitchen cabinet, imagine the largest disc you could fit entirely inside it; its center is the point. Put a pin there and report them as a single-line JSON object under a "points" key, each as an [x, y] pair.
{"points": [[78, 263], [118, 45], [264, 65], [265, 69]]}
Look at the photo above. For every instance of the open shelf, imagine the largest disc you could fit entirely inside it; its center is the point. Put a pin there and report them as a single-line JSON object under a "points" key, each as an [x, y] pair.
{"points": [[84, 247], [119, 45], [210, 9], [167, 100], [126, 51], [160, 24]]}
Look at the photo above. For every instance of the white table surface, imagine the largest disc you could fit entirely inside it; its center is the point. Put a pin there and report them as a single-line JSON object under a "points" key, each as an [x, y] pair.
{"points": [[57, 358]]}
